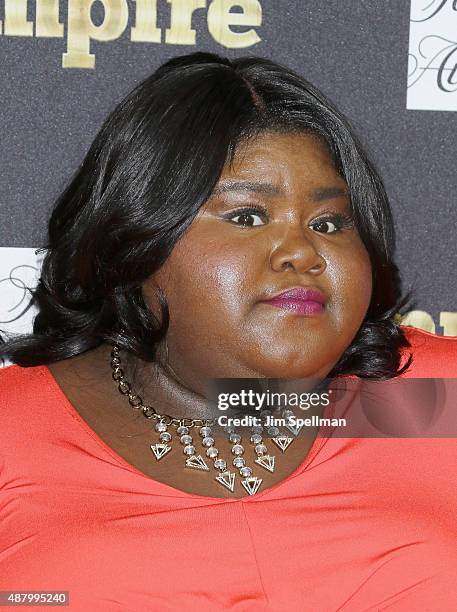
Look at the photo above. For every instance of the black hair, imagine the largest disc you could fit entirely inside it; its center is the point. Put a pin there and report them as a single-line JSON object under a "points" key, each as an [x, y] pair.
{"points": [[153, 164]]}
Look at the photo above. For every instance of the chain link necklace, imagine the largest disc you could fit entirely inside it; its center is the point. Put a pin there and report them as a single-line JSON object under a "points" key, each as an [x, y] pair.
{"points": [[194, 460]]}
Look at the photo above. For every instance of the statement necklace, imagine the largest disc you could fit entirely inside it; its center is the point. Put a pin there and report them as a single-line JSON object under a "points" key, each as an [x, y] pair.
{"points": [[195, 460]]}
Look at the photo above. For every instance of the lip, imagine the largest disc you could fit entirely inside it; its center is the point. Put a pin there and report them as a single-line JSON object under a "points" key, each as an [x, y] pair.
{"points": [[301, 300]]}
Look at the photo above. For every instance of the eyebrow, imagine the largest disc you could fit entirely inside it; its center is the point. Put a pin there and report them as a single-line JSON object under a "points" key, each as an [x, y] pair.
{"points": [[265, 188], [318, 195], [327, 193]]}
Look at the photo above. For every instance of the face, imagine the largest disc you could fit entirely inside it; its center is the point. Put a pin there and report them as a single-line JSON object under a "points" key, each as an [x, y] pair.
{"points": [[278, 219]]}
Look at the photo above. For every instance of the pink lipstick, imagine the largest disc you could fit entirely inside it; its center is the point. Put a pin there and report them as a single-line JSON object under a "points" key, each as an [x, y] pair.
{"points": [[300, 300]]}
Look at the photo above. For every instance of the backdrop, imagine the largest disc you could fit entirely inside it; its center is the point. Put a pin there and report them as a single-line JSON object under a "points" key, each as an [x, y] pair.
{"points": [[389, 65]]}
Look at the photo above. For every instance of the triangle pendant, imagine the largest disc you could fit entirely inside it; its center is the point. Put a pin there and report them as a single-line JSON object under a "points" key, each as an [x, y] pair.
{"points": [[160, 450], [227, 479], [295, 430], [251, 484], [267, 462], [282, 442], [197, 462]]}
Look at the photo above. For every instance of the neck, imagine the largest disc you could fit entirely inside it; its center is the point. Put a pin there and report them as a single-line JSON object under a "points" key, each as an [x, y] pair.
{"points": [[160, 387]]}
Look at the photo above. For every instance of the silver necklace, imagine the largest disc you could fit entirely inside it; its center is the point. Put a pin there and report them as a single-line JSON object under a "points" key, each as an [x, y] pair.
{"points": [[194, 460]]}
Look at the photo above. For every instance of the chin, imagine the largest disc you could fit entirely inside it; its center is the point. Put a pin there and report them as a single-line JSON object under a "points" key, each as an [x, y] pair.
{"points": [[292, 368]]}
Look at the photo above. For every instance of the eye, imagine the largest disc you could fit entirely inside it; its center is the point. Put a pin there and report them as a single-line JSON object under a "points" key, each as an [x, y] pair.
{"points": [[332, 224], [325, 227], [247, 217]]}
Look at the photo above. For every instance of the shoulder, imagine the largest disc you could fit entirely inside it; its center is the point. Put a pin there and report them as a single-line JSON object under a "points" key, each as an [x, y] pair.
{"points": [[432, 355], [21, 406], [19, 387], [17, 375]]}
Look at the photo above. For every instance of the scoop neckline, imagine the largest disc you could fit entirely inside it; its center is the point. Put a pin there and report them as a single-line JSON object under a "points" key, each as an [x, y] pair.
{"points": [[314, 449]]}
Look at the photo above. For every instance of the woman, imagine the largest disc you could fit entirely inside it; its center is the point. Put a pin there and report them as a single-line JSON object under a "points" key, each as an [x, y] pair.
{"points": [[225, 224]]}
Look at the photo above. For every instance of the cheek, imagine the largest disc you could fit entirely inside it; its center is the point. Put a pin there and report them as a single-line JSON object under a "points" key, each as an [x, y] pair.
{"points": [[209, 282], [351, 281]]}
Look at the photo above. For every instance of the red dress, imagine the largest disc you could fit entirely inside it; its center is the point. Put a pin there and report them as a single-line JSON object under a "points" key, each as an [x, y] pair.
{"points": [[361, 524]]}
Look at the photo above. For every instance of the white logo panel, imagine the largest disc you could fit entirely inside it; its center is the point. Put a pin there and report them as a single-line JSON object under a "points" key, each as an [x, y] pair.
{"points": [[432, 61], [19, 272]]}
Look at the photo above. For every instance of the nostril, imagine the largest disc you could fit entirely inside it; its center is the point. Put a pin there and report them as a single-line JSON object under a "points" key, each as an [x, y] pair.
{"points": [[287, 265]]}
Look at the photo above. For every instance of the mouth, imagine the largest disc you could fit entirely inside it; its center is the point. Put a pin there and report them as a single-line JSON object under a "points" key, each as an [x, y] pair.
{"points": [[300, 300]]}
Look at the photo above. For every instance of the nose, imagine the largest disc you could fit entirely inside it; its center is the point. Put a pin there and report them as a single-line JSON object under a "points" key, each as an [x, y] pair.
{"points": [[296, 251]]}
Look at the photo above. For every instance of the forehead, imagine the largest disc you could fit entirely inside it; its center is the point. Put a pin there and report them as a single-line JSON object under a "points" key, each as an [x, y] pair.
{"points": [[283, 159]]}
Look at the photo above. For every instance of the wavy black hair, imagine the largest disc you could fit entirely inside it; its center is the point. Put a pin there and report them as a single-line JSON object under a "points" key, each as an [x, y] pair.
{"points": [[153, 164]]}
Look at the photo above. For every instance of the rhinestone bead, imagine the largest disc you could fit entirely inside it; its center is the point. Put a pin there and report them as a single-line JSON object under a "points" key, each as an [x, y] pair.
{"points": [[189, 450], [160, 426], [256, 438], [265, 413], [186, 439], [245, 471], [260, 449], [212, 451], [273, 431], [165, 436], [235, 438], [237, 449], [239, 462], [205, 431], [182, 429], [229, 429], [220, 464], [208, 441], [257, 429]]}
